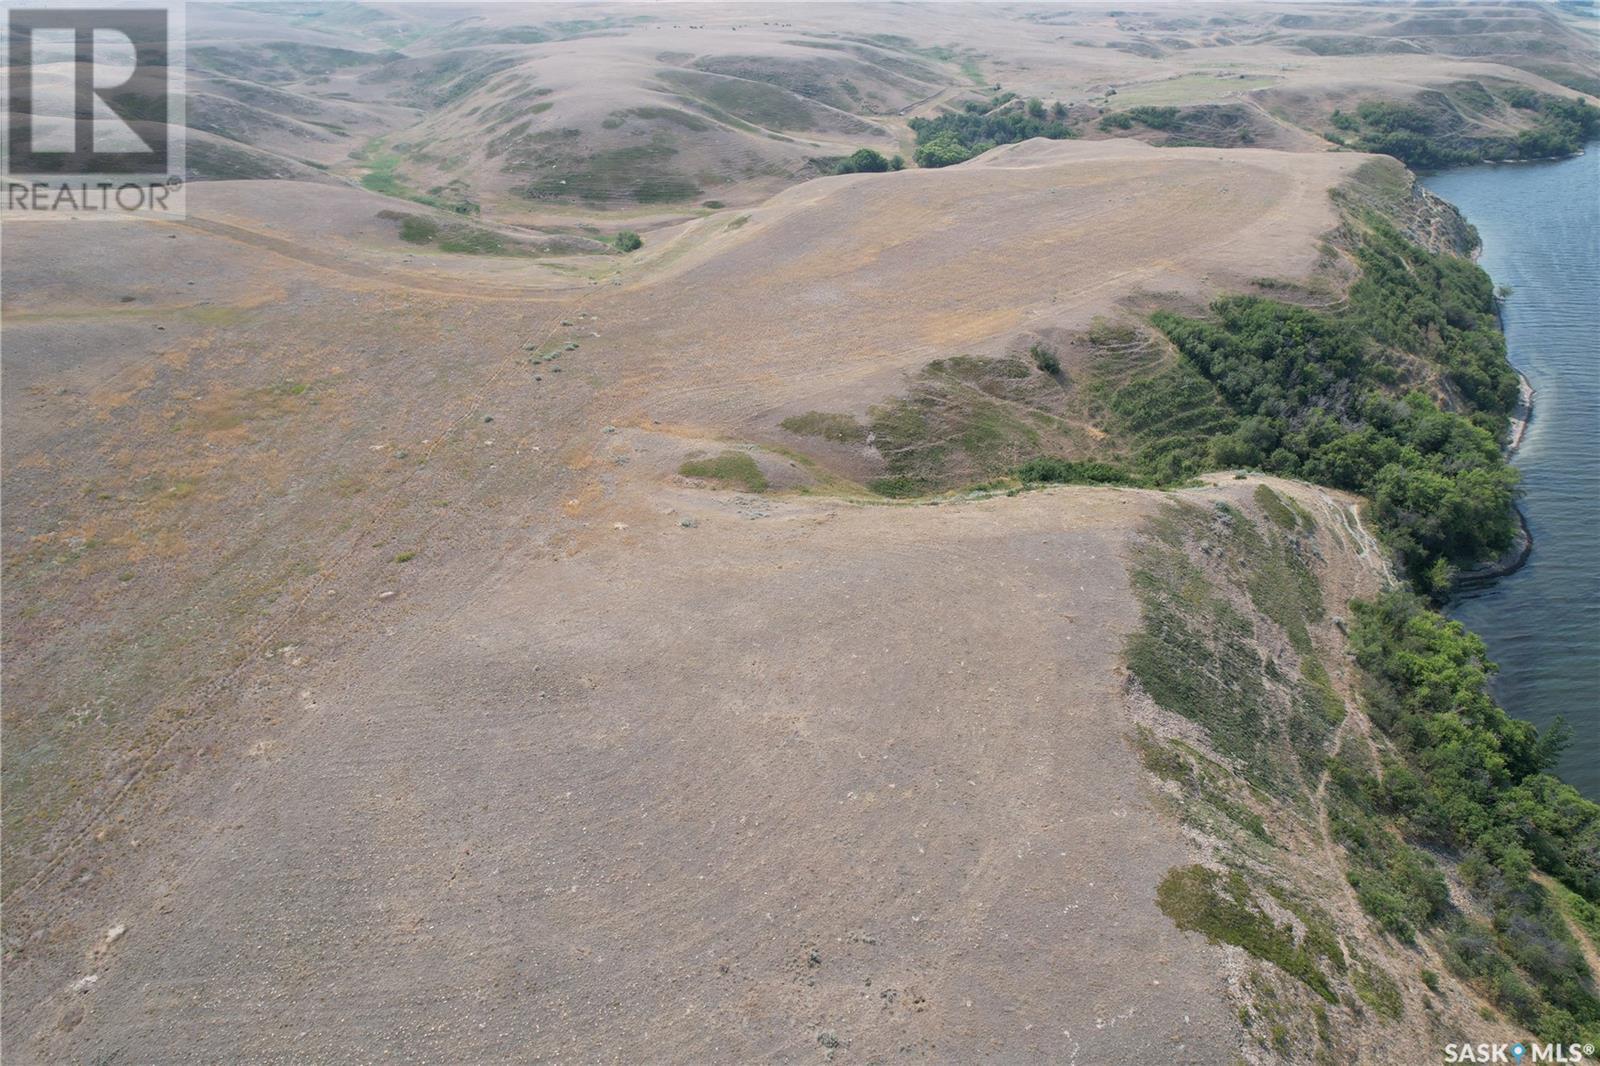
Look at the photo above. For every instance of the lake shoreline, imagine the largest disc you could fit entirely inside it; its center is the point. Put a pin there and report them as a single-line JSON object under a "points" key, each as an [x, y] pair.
{"points": [[1539, 612], [1515, 557], [1521, 414]]}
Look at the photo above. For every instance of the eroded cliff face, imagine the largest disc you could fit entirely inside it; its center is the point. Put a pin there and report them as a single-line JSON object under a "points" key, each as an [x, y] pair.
{"points": [[1385, 186], [1251, 725], [1439, 225]]}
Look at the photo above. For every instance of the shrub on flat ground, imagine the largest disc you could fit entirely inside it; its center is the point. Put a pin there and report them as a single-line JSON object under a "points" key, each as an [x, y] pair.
{"points": [[1045, 359], [834, 427], [730, 468]]}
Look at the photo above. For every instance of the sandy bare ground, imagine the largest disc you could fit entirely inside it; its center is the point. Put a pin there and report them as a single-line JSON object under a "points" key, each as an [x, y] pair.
{"points": [[835, 282], [695, 793], [592, 783]]}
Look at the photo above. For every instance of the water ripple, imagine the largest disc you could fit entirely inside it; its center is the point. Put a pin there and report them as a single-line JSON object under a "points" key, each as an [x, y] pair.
{"points": [[1540, 225]]}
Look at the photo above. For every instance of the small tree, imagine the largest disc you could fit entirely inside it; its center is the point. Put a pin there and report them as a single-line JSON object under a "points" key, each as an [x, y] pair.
{"points": [[899, 163], [1036, 108], [863, 161], [1058, 110], [628, 241], [943, 150], [1045, 359]]}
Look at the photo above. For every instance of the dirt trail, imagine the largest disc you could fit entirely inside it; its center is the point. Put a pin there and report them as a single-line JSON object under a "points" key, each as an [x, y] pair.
{"points": [[354, 268]]}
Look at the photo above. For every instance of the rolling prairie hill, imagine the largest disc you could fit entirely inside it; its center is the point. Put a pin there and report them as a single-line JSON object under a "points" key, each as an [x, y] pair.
{"points": [[431, 631], [535, 115], [369, 654]]}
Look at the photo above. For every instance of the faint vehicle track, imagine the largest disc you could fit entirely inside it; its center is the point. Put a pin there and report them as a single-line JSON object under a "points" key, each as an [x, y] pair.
{"points": [[354, 268]]}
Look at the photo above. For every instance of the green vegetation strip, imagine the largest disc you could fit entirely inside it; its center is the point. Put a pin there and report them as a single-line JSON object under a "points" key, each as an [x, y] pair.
{"points": [[834, 427], [383, 177], [1317, 395], [1332, 396], [956, 136], [1196, 654], [1423, 138], [1220, 906], [1473, 781], [867, 161]]}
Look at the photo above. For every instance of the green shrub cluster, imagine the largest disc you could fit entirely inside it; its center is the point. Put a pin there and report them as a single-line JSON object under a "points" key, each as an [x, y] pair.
{"points": [[1275, 507], [1522, 97], [867, 161], [1474, 781], [1581, 911], [415, 229], [1399, 885], [472, 241], [1157, 118], [458, 237], [828, 425], [1197, 655], [1410, 134], [1419, 138], [955, 137], [1171, 416], [1276, 577], [1526, 962], [1202, 782], [1313, 395], [1056, 471], [1221, 907], [729, 468], [1045, 359], [1441, 308], [1379, 991], [898, 486], [965, 419], [1479, 779]]}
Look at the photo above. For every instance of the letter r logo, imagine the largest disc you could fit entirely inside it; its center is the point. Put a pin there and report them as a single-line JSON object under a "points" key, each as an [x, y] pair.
{"points": [[89, 91]]}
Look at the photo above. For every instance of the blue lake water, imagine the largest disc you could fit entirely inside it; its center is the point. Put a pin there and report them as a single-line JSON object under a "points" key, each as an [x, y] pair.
{"points": [[1540, 224]]}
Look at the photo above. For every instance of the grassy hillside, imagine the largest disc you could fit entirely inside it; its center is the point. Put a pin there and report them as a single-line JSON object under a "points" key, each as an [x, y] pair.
{"points": [[627, 110], [1386, 377], [1457, 850], [1450, 128]]}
